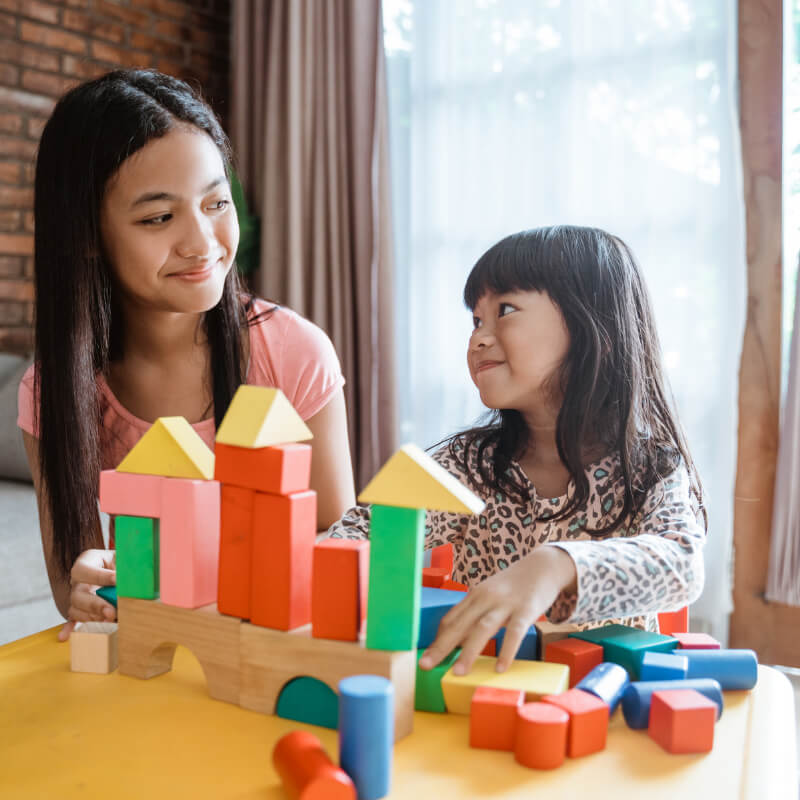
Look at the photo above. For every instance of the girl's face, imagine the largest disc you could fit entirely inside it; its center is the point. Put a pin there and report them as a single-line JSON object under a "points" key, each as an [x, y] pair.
{"points": [[168, 224], [518, 343]]}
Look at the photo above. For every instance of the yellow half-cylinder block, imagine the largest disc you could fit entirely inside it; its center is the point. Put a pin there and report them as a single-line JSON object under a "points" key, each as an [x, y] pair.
{"points": [[535, 678], [412, 479], [172, 449], [260, 417]]}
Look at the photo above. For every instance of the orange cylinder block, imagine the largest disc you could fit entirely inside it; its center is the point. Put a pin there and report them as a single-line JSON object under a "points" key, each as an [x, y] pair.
{"points": [[541, 736], [306, 771]]}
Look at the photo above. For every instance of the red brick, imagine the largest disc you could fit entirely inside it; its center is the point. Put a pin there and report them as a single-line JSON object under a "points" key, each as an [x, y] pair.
{"points": [[45, 83], [9, 5], [44, 12], [141, 41], [20, 290], [172, 30], [171, 68], [107, 30], [166, 8], [28, 221], [35, 127], [10, 123], [16, 148], [9, 75], [16, 340], [138, 18], [10, 172], [51, 37], [11, 312], [28, 174], [81, 67], [8, 26], [28, 268], [16, 197], [10, 220], [119, 57], [36, 57], [77, 21], [25, 101], [12, 266], [16, 244]]}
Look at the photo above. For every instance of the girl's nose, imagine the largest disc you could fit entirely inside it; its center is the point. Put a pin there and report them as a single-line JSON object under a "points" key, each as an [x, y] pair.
{"points": [[197, 238]]}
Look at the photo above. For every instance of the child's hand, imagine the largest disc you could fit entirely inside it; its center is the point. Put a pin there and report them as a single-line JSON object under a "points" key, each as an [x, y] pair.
{"points": [[515, 597], [92, 568]]}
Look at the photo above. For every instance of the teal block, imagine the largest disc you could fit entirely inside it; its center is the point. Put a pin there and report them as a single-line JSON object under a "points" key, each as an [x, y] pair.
{"points": [[136, 542], [109, 594], [309, 700], [428, 695], [599, 635], [395, 577], [628, 650]]}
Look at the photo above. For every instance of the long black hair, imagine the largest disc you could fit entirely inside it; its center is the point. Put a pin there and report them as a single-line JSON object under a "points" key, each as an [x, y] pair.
{"points": [[611, 385], [93, 129]]}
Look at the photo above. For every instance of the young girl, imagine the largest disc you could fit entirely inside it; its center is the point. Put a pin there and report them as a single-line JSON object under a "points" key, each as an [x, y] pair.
{"points": [[593, 505], [140, 314]]}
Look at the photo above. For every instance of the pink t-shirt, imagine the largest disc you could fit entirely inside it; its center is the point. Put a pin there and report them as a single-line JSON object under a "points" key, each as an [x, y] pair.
{"points": [[286, 351]]}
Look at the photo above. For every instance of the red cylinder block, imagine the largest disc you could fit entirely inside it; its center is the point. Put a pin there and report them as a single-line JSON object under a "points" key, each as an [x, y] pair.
{"points": [[306, 771], [541, 737]]}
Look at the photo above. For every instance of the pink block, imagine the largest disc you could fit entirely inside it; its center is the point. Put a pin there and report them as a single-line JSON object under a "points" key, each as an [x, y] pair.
{"points": [[697, 641], [189, 542], [129, 494]]}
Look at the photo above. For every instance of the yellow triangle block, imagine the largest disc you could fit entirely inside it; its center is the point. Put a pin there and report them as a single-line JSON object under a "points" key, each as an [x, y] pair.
{"points": [[412, 479], [260, 417], [172, 449]]}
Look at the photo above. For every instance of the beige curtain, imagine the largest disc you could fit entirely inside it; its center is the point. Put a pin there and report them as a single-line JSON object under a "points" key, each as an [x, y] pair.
{"points": [[309, 129]]}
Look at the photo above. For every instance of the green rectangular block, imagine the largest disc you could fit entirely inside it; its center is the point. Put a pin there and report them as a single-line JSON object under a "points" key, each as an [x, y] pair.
{"points": [[428, 695], [136, 542], [628, 650], [599, 635], [395, 577]]}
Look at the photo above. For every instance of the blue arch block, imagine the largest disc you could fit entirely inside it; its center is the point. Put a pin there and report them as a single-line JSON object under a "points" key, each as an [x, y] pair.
{"points": [[309, 700]]}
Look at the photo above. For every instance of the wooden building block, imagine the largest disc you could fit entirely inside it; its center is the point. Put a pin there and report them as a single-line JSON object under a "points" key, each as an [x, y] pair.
{"points": [[550, 632], [428, 688], [395, 572], [434, 605], [189, 542], [149, 632], [541, 736], [637, 697], [535, 678], [626, 646], [608, 682], [490, 649], [434, 576], [235, 550], [109, 594], [130, 494], [284, 533], [277, 469], [672, 622], [412, 479], [528, 647], [306, 772], [600, 634], [172, 448], [734, 669], [442, 558], [663, 667], [259, 417], [581, 657], [339, 582], [588, 721], [93, 647], [366, 711], [309, 700], [696, 641], [493, 717], [682, 721], [270, 659], [453, 586], [137, 557]]}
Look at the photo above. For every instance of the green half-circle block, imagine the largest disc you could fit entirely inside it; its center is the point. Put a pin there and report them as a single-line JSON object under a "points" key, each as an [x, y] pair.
{"points": [[309, 700]]}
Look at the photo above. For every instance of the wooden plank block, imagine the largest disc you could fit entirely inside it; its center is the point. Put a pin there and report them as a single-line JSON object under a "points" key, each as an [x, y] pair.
{"points": [[550, 632], [130, 494], [395, 569], [270, 659], [149, 631], [535, 678], [93, 647], [277, 469], [189, 539], [428, 688], [339, 582], [284, 533], [235, 550], [137, 557]]}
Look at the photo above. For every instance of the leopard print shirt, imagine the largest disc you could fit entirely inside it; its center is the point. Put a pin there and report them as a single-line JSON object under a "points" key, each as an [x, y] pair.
{"points": [[653, 564]]}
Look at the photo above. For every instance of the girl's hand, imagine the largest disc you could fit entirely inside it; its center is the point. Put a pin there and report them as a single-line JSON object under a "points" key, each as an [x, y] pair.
{"points": [[515, 597], [93, 568]]}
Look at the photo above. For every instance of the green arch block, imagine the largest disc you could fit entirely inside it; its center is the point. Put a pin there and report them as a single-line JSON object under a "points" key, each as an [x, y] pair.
{"points": [[309, 700]]}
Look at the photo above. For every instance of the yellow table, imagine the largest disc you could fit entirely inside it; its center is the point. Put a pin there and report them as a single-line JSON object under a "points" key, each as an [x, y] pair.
{"points": [[65, 735]]}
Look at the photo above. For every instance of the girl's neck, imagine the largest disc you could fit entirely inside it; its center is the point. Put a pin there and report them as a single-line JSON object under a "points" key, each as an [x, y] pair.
{"points": [[159, 336]]}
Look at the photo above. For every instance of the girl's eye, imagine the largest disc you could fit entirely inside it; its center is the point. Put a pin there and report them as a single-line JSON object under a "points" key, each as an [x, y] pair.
{"points": [[220, 205], [506, 308], [156, 220]]}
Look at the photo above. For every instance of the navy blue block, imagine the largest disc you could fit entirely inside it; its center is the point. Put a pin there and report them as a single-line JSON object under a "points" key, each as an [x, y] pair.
{"points": [[734, 669], [637, 696], [527, 648], [366, 733], [433, 605], [606, 681]]}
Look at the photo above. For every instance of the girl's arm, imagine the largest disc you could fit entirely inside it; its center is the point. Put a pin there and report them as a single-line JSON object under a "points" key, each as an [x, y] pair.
{"points": [[331, 468], [72, 594]]}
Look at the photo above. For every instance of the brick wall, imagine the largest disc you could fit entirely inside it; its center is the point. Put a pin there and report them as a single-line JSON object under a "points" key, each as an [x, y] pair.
{"points": [[47, 46]]}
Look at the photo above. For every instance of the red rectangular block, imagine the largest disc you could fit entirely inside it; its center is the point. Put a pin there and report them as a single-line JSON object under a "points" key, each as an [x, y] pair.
{"points": [[682, 721], [284, 532], [588, 721], [442, 558], [697, 641], [672, 622], [339, 584], [235, 551], [581, 657], [130, 495], [493, 717], [280, 469], [434, 577]]}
